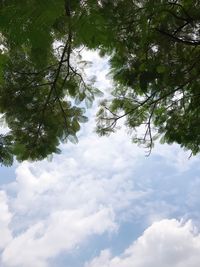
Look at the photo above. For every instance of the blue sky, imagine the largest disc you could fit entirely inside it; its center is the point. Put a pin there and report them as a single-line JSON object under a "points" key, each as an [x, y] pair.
{"points": [[102, 203]]}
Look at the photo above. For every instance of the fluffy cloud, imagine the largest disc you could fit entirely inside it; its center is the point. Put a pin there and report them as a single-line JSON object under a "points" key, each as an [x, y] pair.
{"points": [[63, 230], [57, 205], [175, 156], [164, 244], [5, 219]]}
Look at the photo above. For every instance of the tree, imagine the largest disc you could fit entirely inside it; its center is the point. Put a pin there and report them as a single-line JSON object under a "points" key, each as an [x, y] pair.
{"points": [[154, 48], [38, 80], [156, 69]]}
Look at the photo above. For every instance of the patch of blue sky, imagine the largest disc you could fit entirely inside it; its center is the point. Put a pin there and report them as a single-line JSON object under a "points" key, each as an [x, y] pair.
{"points": [[117, 242], [7, 174]]}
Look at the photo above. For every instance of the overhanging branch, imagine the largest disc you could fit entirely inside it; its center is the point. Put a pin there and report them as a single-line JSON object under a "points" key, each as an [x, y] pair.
{"points": [[177, 39]]}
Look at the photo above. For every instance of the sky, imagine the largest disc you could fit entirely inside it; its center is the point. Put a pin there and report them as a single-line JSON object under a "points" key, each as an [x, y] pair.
{"points": [[102, 202]]}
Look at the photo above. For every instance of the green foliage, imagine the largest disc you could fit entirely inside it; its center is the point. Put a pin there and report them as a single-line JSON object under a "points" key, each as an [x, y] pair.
{"points": [[38, 81], [155, 66], [154, 49], [6, 153]]}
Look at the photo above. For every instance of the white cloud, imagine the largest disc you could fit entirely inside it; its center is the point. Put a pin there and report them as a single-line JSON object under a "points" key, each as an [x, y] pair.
{"points": [[58, 205], [175, 156], [5, 218], [99, 68], [167, 243], [63, 230], [3, 126]]}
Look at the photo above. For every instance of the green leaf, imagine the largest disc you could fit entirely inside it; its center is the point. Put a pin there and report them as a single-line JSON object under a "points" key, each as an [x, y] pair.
{"points": [[161, 69]]}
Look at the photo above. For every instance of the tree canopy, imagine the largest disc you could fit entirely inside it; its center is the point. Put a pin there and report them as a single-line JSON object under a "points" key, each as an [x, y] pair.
{"points": [[154, 49]]}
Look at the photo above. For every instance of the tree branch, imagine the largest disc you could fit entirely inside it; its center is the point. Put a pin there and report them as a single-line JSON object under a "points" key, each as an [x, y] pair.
{"points": [[67, 49], [153, 102], [178, 40]]}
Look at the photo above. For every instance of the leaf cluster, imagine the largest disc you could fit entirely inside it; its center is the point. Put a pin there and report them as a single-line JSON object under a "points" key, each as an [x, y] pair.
{"points": [[156, 71], [154, 49]]}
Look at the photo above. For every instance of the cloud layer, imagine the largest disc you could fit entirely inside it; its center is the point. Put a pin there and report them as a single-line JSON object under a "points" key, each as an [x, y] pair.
{"points": [[164, 244], [5, 219], [56, 206]]}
